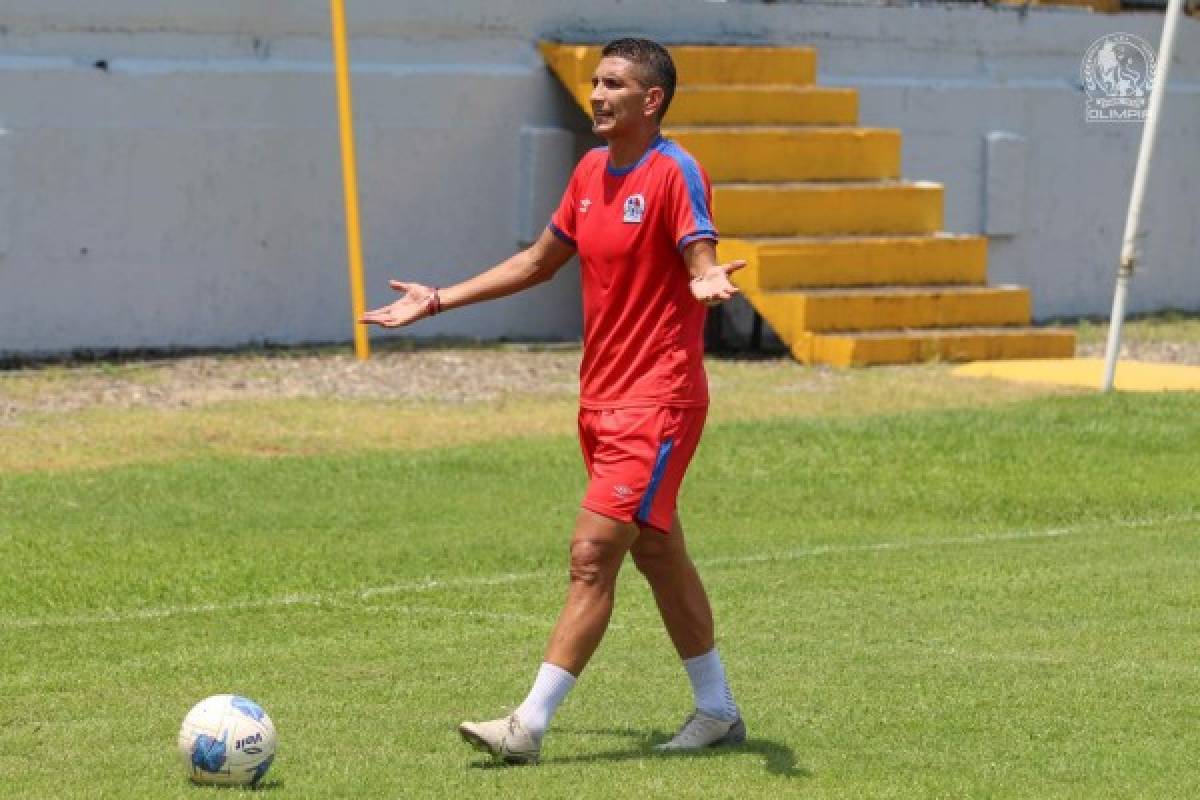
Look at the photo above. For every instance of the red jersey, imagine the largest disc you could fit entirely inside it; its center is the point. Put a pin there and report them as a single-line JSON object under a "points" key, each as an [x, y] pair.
{"points": [[643, 331]]}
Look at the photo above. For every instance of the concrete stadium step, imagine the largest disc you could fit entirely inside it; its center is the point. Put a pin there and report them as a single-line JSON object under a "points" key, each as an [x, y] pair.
{"points": [[760, 105], [892, 307], [805, 262], [861, 349], [822, 209], [696, 64], [846, 261], [710, 64], [792, 153]]}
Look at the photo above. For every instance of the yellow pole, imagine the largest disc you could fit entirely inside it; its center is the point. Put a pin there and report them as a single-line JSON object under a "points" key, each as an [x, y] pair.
{"points": [[362, 345]]}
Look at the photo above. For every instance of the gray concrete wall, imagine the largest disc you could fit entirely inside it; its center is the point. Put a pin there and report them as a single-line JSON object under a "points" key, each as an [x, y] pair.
{"points": [[169, 173]]}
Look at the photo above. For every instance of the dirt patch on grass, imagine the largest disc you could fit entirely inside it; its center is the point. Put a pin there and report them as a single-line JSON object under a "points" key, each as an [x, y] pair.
{"points": [[463, 375], [451, 376], [1171, 338], [265, 405], [1157, 352], [306, 402]]}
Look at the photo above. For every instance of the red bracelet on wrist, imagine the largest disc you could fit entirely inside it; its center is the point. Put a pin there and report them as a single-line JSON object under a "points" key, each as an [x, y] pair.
{"points": [[435, 303]]}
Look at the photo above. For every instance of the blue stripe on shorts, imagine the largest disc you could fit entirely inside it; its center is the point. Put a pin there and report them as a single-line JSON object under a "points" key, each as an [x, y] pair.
{"points": [[660, 467]]}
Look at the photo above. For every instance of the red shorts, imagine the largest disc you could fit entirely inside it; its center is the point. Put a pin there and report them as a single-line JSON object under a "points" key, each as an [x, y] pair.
{"points": [[636, 458]]}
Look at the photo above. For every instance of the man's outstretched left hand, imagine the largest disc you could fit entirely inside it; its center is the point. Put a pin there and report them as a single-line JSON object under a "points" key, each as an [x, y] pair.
{"points": [[714, 287]]}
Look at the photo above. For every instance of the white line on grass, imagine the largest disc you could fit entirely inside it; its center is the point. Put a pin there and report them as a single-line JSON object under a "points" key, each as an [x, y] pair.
{"points": [[449, 583], [882, 547], [543, 621], [470, 581]]}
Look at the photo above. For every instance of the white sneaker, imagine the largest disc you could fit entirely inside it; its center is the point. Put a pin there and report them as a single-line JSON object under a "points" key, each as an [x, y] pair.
{"points": [[700, 731], [505, 738]]}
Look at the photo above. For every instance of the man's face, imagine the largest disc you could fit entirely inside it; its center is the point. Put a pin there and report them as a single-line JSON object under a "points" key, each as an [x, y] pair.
{"points": [[621, 103]]}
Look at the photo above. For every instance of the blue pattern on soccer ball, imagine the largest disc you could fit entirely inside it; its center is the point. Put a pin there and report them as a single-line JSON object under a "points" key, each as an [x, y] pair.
{"points": [[208, 754], [261, 770], [249, 708]]}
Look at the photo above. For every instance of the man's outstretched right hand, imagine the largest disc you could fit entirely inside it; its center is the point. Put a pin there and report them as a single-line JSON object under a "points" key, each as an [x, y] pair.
{"points": [[417, 302]]}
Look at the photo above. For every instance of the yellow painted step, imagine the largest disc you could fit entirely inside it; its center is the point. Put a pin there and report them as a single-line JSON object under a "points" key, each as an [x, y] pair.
{"points": [[777, 153], [697, 64], [767, 105], [799, 262], [792, 313], [954, 344], [711, 64], [822, 209], [1133, 376]]}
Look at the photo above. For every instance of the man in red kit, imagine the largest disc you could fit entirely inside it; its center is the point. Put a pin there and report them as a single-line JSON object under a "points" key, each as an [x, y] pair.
{"points": [[638, 214]]}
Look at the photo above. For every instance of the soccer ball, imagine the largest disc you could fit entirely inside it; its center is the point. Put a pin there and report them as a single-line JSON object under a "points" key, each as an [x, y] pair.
{"points": [[227, 740]]}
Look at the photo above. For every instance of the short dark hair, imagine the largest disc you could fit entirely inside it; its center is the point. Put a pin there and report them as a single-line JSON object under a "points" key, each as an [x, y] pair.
{"points": [[653, 60]]}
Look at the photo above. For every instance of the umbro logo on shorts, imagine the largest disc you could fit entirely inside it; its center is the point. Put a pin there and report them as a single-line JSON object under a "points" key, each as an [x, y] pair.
{"points": [[621, 490]]}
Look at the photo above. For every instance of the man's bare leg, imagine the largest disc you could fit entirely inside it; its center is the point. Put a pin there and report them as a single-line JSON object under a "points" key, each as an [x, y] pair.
{"points": [[678, 590], [687, 615], [598, 547], [597, 550]]}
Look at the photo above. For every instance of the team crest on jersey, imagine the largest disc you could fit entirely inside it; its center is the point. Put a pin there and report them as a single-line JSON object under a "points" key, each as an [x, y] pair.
{"points": [[584, 205], [635, 208]]}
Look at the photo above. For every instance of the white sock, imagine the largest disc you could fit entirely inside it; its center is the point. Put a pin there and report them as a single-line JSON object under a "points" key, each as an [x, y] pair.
{"points": [[713, 695], [549, 690]]}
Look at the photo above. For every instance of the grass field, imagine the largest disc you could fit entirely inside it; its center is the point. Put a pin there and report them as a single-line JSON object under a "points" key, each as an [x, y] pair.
{"points": [[913, 601]]}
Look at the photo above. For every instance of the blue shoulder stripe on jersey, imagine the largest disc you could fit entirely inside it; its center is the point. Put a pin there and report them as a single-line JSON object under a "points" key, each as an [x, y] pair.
{"points": [[558, 232], [695, 188]]}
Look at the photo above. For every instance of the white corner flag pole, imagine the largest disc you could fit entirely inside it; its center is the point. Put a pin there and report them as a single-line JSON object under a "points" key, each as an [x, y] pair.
{"points": [[1129, 251]]}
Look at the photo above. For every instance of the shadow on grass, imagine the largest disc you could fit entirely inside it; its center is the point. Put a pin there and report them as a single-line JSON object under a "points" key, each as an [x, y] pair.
{"points": [[264, 786], [778, 758]]}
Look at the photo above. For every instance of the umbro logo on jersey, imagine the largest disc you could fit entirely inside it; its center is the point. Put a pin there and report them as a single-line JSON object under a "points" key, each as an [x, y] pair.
{"points": [[635, 208], [584, 205]]}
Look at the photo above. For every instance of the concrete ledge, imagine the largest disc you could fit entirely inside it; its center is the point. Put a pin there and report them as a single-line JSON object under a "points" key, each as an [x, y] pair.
{"points": [[792, 153], [951, 344], [1131, 376], [799, 262], [820, 209]]}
